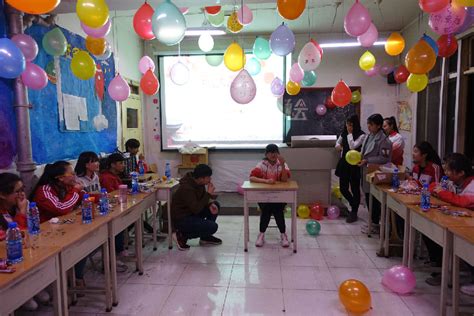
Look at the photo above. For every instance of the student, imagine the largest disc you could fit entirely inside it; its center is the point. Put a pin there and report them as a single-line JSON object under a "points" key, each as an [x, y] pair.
{"points": [[427, 164], [376, 149], [398, 144], [194, 209], [351, 138], [87, 168], [110, 178], [131, 163], [271, 169]]}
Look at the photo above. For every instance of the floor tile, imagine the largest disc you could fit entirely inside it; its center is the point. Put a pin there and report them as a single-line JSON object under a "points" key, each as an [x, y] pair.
{"points": [[336, 258], [312, 302], [303, 258], [337, 242], [206, 275], [307, 278], [256, 276], [249, 301], [166, 274]]}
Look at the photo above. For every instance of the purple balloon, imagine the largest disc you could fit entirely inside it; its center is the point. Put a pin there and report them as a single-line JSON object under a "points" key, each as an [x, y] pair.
{"points": [[27, 45], [12, 61], [97, 32], [385, 70], [321, 109], [357, 20], [34, 77], [146, 63], [277, 87], [399, 279], [296, 73], [468, 22], [333, 212], [373, 72], [447, 20], [370, 37], [282, 41]]}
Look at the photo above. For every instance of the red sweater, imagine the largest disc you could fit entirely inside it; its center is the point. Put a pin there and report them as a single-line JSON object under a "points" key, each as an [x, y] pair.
{"points": [[431, 173], [19, 218], [50, 205], [464, 199], [109, 181]]}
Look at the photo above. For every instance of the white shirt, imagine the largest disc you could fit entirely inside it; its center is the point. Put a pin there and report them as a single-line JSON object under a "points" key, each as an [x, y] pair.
{"points": [[353, 144]]}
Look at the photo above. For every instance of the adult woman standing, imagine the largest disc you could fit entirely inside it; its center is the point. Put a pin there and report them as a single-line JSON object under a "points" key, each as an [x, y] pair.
{"points": [[398, 144]]}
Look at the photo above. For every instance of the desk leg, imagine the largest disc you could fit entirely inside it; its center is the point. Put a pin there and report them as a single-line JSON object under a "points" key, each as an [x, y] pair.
{"points": [[246, 223], [411, 247], [369, 224], [153, 223], [387, 225], [113, 267], [383, 218], [108, 288], [456, 285], [168, 208], [294, 224], [56, 287], [63, 288], [138, 245], [447, 249], [406, 236]]}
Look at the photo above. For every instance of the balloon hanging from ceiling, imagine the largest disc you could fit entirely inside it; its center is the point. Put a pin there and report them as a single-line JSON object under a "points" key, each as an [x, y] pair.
{"points": [[168, 23]]}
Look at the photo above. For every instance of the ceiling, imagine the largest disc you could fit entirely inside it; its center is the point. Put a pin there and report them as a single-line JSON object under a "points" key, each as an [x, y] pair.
{"points": [[325, 16]]}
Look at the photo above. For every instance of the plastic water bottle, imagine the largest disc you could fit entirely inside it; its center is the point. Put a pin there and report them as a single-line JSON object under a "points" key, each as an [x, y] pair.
{"points": [[103, 202], [395, 180], [141, 168], [135, 188], [425, 198], [444, 183], [168, 170], [86, 210], [14, 244], [33, 219]]}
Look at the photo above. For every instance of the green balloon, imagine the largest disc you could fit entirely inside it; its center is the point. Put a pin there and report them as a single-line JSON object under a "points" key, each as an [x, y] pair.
{"points": [[313, 227], [214, 60], [261, 48], [309, 78], [216, 20], [54, 42]]}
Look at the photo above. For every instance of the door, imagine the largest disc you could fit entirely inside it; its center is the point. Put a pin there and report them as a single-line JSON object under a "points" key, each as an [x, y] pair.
{"points": [[132, 120]]}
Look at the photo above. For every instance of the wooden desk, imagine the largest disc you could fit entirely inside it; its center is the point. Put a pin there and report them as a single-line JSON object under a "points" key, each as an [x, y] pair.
{"points": [[163, 193], [39, 268], [280, 192], [435, 225], [463, 247], [379, 192]]}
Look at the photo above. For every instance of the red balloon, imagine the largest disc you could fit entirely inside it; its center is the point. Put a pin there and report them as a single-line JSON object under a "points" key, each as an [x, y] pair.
{"points": [[401, 74], [328, 103], [149, 83], [318, 47], [317, 212], [142, 22], [341, 94], [431, 6], [213, 10], [447, 45]]}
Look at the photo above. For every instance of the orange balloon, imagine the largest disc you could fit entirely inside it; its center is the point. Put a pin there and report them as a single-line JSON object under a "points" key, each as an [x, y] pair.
{"points": [[395, 44], [96, 46], [149, 83], [341, 94], [291, 9], [34, 6], [420, 58], [355, 296]]}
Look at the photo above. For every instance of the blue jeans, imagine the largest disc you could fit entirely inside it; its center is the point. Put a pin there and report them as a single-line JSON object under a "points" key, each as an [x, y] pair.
{"points": [[202, 225]]}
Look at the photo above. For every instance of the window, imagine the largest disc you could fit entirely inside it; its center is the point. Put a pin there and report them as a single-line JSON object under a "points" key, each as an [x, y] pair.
{"points": [[132, 118]]}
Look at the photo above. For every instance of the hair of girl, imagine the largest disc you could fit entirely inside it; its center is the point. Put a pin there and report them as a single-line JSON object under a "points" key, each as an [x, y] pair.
{"points": [[8, 182], [376, 119], [431, 154], [459, 162], [392, 122], [50, 175], [85, 158]]}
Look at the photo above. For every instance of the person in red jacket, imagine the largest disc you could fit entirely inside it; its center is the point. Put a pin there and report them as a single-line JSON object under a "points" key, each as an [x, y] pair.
{"points": [[427, 164], [110, 178], [13, 202]]}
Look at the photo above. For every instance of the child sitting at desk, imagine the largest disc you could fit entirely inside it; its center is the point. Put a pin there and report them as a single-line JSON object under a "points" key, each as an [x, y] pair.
{"points": [[87, 168], [427, 164], [271, 169]]}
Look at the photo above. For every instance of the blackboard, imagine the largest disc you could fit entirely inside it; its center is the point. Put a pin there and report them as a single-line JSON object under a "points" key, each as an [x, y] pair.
{"points": [[302, 119]]}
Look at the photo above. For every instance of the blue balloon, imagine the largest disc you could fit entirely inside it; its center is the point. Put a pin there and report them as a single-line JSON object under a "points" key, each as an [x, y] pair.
{"points": [[12, 60], [313, 227], [168, 23], [282, 41], [309, 78], [432, 43], [253, 66]]}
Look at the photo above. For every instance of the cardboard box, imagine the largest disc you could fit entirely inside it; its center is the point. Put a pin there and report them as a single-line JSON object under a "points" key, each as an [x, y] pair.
{"points": [[194, 159], [375, 176]]}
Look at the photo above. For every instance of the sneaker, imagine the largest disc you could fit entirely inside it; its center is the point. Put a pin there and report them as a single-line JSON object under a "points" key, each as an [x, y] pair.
{"points": [[375, 229], [211, 240], [260, 240], [284, 241], [30, 305], [42, 297], [351, 218], [468, 289], [121, 267], [434, 280], [181, 241]]}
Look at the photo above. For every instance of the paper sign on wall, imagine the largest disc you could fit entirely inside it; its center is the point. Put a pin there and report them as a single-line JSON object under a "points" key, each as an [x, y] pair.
{"points": [[75, 110]]}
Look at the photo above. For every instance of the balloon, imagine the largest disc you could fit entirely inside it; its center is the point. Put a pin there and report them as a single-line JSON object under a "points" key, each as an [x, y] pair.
{"points": [[34, 77], [145, 64], [401, 74], [97, 32], [395, 44], [309, 57], [468, 21], [149, 83], [292, 88], [464, 3], [309, 78], [54, 42], [282, 41], [315, 43], [184, 10], [356, 97], [296, 73], [245, 15], [333, 212], [313, 227], [367, 61], [448, 45], [213, 10], [253, 66], [328, 103], [268, 77], [336, 190], [370, 37], [303, 211], [385, 69], [291, 9], [93, 13], [118, 89], [34, 6], [82, 65], [420, 58], [341, 94], [142, 22], [234, 57], [399, 279], [355, 296], [432, 43], [261, 48], [243, 88], [96, 46], [107, 54], [353, 157], [447, 20], [216, 20], [27, 45], [430, 6], [357, 21], [277, 87], [179, 73], [417, 83], [321, 109], [214, 60], [373, 72], [206, 42], [317, 212], [233, 23], [168, 23]]}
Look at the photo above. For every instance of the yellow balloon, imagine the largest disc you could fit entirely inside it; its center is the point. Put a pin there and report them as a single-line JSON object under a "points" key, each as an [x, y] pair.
{"points": [[233, 23], [82, 65], [293, 88], [367, 61], [93, 13], [464, 3], [96, 46], [353, 157], [395, 44], [355, 296], [234, 57], [303, 211], [417, 83]]}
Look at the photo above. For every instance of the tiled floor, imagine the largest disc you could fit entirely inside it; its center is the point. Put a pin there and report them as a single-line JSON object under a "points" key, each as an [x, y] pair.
{"points": [[223, 280]]}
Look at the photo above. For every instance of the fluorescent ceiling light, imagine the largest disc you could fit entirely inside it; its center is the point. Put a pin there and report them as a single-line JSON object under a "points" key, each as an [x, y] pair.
{"points": [[198, 31], [348, 44]]}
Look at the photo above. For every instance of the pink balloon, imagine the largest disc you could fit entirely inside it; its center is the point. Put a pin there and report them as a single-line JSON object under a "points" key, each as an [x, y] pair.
{"points": [[321, 109], [34, 77], [385, 69], [357, 21], [245, 15], [296, 73], [373, 72], [146, 63], [184, 10], [333, 212], [447, 20], [399, 279], [119, 90], [243, 88], [27, 45], [97, 32], [370, 37]]}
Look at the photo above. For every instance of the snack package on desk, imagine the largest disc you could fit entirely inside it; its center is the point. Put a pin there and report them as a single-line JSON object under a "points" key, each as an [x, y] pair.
{"points": [[457, 213]]}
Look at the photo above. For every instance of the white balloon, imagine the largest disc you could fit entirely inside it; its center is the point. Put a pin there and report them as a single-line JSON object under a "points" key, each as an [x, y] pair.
{"points": [[243, 88], [309, 57], [179, 74], [206, 42]]}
